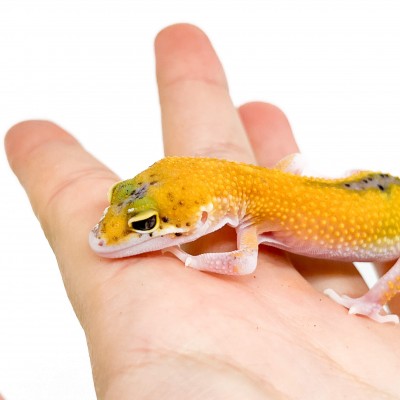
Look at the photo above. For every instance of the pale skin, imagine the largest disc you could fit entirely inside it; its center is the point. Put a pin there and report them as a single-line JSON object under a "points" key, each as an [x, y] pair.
{"points": [[158, 330]]}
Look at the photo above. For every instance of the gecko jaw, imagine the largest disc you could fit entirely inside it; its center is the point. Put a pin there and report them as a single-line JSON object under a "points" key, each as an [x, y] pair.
{"points": [[133, 247], [129, 248]]}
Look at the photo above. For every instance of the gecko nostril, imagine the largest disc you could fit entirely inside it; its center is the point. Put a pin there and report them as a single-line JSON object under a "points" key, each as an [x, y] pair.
{"points": [[204, 217]]}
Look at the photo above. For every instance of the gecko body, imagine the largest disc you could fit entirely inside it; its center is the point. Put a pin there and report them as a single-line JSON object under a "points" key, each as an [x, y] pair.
{"points": [[180, 199]]}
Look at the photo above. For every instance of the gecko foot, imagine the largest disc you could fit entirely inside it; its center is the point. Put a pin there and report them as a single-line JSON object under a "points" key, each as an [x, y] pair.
{"points": [[362, 306]]}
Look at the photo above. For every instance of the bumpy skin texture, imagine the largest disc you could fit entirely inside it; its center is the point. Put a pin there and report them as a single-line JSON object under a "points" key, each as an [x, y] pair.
{"points": [[356, 218], [353, 218]]}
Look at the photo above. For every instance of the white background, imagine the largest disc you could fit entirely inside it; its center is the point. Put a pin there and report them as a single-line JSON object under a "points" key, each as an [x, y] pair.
{"points": [[332, 66]]}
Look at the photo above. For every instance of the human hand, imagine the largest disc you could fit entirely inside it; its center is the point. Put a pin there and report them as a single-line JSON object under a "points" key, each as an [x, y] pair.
{"points": [[157, 330]]}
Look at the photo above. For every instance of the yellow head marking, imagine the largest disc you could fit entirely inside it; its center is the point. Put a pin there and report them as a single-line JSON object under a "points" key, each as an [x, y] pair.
{"points": [[162, 201]]}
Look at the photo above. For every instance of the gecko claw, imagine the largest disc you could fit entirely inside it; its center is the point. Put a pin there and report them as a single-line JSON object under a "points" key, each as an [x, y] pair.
{"points": [[188, 261], [362, 306]]}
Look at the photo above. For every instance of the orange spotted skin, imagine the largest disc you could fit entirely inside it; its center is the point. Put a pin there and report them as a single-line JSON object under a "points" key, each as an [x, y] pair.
{"points": [[357, 217], [178, 200]]}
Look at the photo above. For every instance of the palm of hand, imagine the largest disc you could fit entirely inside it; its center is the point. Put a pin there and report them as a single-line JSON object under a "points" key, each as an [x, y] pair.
{"points": [[158, 330]]}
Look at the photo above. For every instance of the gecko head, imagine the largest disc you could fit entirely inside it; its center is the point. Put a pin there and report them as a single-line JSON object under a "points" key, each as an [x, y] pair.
{"points": [[149, 213]]}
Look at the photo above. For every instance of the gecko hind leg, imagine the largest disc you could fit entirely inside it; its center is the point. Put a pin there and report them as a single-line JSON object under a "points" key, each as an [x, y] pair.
{"points": [[371, 304], [238, 262]]}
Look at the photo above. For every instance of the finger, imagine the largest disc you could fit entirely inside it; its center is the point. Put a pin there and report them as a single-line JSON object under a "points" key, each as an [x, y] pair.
{"points": [[54, 169], [66, 187], [269, 132], [198, 116]]}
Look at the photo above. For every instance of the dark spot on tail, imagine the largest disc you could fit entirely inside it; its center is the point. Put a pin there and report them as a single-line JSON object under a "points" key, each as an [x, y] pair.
{"points": [[379, 181]]}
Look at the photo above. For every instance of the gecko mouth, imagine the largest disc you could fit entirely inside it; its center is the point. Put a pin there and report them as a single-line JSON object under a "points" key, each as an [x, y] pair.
{"points": [[149, 244], [128, 248]]}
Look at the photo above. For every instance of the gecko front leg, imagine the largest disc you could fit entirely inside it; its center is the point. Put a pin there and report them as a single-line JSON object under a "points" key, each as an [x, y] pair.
{"points": [[238, 262], [373, 301]]}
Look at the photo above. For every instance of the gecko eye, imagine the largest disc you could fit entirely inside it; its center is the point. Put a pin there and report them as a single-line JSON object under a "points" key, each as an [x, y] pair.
{"points": [[146, 221]]}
